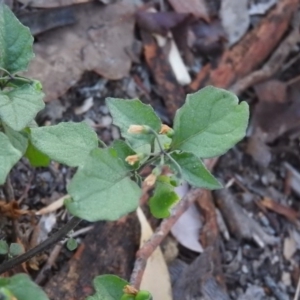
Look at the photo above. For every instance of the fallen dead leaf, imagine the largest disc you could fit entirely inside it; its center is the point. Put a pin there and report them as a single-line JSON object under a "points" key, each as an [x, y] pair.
{"points": [[187, 228], [57, 204], [98, 42], [156, 278]]}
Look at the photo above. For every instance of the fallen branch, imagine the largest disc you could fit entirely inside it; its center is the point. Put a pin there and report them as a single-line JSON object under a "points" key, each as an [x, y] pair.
{"points": [[251, 51], [272, 65]]}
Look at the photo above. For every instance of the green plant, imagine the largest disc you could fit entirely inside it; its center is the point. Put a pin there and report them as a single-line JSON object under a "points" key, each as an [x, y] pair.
{"points": [[209, 123]]}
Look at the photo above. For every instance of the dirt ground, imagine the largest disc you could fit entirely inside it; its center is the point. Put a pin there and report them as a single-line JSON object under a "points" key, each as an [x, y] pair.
{"points": [[247, 239]]}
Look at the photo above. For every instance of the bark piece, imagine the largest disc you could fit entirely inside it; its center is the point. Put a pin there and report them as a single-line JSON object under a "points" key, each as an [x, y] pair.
{"points": [[251, 51], [239, 223], [108, 249], [196, 281], [210, 237]]}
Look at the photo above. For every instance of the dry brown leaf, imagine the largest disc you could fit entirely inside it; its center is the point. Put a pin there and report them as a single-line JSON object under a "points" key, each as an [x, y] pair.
{"points": [[286, 211], [97, 42], [11, 209], [52, 3], [156, 278], [196, 7], [57, 204]]}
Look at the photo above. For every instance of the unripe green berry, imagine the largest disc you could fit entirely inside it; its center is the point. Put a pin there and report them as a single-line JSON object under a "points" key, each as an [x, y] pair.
{"points": [[143, 295], [127, 297]]}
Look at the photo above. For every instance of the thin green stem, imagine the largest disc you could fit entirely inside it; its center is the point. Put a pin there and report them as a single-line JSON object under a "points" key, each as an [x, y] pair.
{"points": [[175, 163], [157, 138], [166, 153], [5, 71], [102, 143], [56, 237]]}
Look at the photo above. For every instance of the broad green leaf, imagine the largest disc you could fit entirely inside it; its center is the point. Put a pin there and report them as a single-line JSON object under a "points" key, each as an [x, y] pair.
{"points": [[102, 188], [16, 42], [15, 249], [210, 122], [9, 156], [3, 248], [20, 105], [123, 150], [194, 171], [22, 288], [133, 112], [18, 139], [36, 157], [72, 244], [108, 287], [67, 143], [163, 198]]}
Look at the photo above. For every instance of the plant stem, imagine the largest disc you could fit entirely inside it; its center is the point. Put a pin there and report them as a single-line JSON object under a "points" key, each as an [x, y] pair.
{"points": [[175, 163], [5, 71], [62, 232], [160, 233], [167, 154]]}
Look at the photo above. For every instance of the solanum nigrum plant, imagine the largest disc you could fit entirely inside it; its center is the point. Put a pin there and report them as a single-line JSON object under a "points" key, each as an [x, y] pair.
{"points": [[107, 183]]}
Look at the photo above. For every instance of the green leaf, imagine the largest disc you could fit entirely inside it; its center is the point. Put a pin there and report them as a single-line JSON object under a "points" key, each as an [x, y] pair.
{"points": [[163, 198], [22, 288], [16, 42], [210, 122], [18, 139], [72, 244], [20, 105], [133, 112], [67, 143], [123, 150], [194, 171], [36, 157], [15, 249], [108, 287], [102, 188], [3, 248], [9, 156]]}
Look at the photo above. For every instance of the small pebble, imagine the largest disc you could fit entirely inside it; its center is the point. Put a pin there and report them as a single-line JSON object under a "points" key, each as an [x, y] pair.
{"points": [[245, 269], [106, 121]]}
